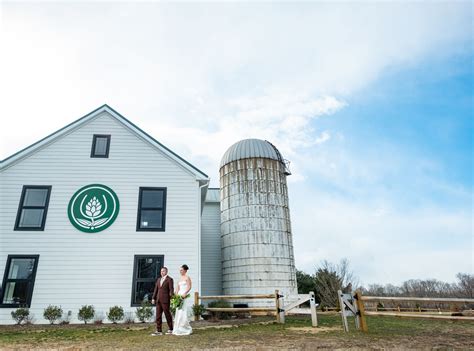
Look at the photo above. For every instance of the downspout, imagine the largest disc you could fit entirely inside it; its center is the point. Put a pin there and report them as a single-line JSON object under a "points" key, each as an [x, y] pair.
{"points": [[200, 202]]}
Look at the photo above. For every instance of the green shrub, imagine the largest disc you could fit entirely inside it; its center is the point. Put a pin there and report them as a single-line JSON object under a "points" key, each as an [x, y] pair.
{"points": [[86, 313], [52, 313], [219, 304], [144, 312], [20, 315], [115, 314], [198, 310]]}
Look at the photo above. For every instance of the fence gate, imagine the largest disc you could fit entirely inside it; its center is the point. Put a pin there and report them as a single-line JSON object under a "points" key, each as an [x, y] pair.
{"points": [[348, 309]]}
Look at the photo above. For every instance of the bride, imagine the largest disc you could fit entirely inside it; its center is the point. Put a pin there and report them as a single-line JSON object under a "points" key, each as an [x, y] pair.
{"points": [[181, 320]]}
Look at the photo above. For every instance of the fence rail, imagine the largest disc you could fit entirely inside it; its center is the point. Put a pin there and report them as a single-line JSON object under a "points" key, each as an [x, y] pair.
{"points": [[354, 304], [420, 299], [276, 309], [419, 315], [241, 309], [237, 297], [279, 309]]}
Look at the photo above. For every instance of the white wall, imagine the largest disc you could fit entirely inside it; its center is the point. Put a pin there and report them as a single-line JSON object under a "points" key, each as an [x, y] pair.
{"points": [[211, 248], [77, 268]]}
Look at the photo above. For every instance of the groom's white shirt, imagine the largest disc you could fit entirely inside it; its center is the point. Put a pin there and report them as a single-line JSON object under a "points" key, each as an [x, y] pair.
{"points": [[163, 279]]}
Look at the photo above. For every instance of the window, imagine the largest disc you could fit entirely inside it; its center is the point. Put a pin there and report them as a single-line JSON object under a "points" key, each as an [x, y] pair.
{"points": [[151, 209], [100, 146], [18, 280], [33, 207], [146, 271]]}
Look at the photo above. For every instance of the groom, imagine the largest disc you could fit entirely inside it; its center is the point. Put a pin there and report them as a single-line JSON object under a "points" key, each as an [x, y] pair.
{"points": [[161, 296]]}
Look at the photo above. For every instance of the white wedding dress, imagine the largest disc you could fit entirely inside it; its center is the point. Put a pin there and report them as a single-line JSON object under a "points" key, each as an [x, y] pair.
{"points": [[181, 324]]}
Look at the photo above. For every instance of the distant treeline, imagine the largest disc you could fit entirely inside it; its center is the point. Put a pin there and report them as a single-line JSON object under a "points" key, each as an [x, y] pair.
{"points": [[329, 278], [462, 288]]}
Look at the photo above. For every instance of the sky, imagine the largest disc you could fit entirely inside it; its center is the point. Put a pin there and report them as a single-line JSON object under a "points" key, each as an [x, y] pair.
{"points": [[372, 102]]}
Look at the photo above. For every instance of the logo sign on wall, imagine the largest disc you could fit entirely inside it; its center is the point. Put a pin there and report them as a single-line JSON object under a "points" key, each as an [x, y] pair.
{"points": [[93, 208]]}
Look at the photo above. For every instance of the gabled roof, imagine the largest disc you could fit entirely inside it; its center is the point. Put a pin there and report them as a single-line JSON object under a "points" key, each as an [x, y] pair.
{"points": [[76, 124]]}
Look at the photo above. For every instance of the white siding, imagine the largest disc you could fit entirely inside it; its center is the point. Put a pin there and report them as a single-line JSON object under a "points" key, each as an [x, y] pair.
{"points": [[77, 268], [211, 249]]}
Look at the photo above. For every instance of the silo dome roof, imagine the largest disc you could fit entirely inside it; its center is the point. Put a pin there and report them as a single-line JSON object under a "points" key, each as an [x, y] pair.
{"points": [[249, 148]]}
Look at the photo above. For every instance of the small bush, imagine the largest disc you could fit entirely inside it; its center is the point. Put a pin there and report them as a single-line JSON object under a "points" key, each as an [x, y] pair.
{"points": [[219, 304], [20, 315], [198, 310], [86, 313], [115, 314], [144, 312], [52, 313]]}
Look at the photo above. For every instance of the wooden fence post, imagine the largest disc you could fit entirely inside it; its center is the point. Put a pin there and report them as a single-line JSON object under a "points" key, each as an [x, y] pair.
{"points": [[282, 310], [361, 309], [277, 306], [342, 308], [196, 302], [312, 306]]}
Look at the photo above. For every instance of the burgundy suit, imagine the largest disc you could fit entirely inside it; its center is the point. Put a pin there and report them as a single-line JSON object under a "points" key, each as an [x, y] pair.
{"points": [[162, 295]]}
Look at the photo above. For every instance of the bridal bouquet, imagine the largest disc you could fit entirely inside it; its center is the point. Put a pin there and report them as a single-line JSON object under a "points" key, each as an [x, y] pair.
{"points": [[177, 302]]}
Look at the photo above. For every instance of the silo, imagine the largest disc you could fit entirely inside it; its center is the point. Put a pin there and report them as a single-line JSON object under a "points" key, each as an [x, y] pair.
{"points": [[257, 245]]}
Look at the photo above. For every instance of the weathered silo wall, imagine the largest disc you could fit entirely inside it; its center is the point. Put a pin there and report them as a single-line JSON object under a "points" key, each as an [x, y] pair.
{"points": [[257, 245]]}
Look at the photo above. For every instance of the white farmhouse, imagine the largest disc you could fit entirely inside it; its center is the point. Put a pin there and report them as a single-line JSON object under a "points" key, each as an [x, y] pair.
{"points": [[89, 215]]}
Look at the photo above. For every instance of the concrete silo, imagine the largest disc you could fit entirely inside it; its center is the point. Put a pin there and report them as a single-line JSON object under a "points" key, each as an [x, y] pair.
{"points": [[257, 245]]}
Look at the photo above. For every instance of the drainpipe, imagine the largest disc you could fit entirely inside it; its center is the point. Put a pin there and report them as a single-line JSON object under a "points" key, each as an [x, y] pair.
{"points": [[200, 202]]}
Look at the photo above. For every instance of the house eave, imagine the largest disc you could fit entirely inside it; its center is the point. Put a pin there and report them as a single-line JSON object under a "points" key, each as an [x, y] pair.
{"points": [[18, 156]]}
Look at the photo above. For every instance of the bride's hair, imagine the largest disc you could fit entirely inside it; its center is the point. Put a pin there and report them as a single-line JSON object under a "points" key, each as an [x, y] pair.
{"points": [[185, 267]]}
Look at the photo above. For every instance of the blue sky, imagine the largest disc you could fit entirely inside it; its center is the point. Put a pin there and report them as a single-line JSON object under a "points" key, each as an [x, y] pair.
{"points": [[371, 103], [410, 134], [423, 116]]}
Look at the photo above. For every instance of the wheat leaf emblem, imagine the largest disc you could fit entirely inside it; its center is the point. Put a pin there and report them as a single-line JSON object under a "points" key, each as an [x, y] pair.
{"points": [[84, 222], [93, 208]]}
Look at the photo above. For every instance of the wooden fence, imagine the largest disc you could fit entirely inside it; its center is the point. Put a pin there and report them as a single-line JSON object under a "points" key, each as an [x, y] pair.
{"points": [[274, 309], [303, 298], [360, 312], [278, 309]]}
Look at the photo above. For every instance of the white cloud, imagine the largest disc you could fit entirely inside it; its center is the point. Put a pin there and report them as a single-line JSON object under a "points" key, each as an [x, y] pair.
{"points": [[199, 65], [389, 247], [284, 120], [199, 77]]}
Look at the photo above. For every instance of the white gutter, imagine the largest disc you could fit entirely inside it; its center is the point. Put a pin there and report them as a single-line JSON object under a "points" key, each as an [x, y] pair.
{"points": [[200, 202]]}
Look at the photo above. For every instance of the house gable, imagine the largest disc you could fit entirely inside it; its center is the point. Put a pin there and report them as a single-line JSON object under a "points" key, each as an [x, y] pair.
{"points": [[105, 109]]}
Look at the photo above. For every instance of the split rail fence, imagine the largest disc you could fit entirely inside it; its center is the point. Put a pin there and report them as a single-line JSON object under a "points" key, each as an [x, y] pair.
{"points": [[278, 309], [354, 305]]}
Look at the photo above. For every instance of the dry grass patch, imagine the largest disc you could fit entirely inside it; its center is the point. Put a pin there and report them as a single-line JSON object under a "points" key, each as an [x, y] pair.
{"points": [[248, 334]]}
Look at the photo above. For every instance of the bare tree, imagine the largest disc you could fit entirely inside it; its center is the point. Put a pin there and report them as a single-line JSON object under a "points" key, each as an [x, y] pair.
{"points": [[329, 278], [465, 285]]}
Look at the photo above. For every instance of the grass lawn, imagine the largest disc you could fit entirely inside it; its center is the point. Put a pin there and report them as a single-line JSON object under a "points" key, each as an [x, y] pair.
{"points": [[256, 334]]}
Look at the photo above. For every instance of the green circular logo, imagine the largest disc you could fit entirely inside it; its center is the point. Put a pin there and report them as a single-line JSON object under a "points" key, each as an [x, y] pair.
{"points": [[93, 208]]}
